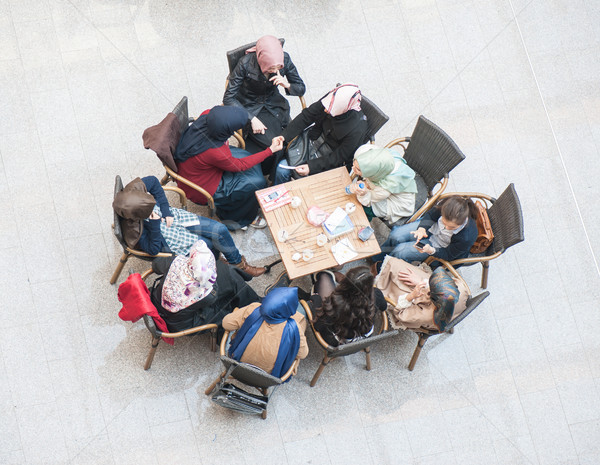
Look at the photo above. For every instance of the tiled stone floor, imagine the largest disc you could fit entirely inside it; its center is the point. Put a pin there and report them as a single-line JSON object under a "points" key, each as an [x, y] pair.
{"points": [[514, 82]]}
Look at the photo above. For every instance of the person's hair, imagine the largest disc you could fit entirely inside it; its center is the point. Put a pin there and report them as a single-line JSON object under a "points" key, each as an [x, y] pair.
{"points": [[350, 309], [457, 209]]}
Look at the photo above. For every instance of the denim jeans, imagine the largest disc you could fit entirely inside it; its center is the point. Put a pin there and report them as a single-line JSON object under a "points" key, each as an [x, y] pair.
{"points": [[400, 244], [216, 235], [281, 174]]}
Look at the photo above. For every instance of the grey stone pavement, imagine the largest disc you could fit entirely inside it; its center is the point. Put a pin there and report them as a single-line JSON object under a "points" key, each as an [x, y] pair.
{"points": [[514, 82]]}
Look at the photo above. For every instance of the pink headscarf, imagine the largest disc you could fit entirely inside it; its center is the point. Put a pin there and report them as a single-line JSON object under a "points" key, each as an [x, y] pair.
{"points": [[343, 98], [269, 52], [189, 279]]}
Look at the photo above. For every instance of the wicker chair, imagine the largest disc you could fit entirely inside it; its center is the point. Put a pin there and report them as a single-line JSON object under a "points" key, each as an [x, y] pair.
{"points": [[249, 375], [432, 154], [424, 333], [506, 218], [375, 117], [342, 350], [157, 335], [181, 112], [118, 232], [233, 56]]}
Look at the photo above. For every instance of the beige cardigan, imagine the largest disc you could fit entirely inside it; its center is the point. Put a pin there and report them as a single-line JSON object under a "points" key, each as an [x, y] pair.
{"points": [[418, 313]]}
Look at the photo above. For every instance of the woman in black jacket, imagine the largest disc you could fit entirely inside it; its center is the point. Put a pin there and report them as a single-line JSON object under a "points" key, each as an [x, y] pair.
{"points": [[198, 290], [339, 125], [254, 86]]}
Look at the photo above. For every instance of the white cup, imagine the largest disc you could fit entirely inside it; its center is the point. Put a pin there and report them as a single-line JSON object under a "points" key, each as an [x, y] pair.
{"points": [[296, 202], [350, 208]]}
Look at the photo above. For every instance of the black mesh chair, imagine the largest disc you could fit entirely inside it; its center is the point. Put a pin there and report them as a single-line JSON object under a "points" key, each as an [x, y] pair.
{"points": [[233, 56], [249, 375], [424, 334], [506, 218], [380, 331], [432, 154], [118, 232], [375, 117], [181, 112]]}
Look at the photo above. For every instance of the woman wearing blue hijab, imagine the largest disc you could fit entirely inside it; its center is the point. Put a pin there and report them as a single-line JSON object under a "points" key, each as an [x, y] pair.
{"points": [[269, 335]]}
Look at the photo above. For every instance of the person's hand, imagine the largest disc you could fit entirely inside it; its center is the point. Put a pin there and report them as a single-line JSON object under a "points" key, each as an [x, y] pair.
{"points": [[279, 80], [169, 221], [276, 144], [154, 216], [257, 126], [360, 190], [303, 170], [408, 277], [428, 249], [419, 234]]}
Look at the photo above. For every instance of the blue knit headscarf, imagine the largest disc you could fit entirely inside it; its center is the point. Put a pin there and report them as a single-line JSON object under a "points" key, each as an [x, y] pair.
{"points": [[277, 307]]}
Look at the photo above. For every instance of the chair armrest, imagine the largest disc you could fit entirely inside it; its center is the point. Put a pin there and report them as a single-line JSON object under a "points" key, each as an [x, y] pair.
{"points": [[431, 201], [186, 332], [240, 139], [139, 253], [484, 258], [196, 187], [291, 371], [146, 273], [302, 101], [318, 336], [182, 197], [223, 343], [453, 272], [398, 141], [472, 195]]}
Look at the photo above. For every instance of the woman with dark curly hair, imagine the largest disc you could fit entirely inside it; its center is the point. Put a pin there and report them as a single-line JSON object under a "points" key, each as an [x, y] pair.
{"points": [[346, 311]]}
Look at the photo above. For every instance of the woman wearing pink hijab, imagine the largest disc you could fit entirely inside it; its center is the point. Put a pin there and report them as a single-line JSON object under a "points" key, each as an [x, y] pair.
{"points": [[254, 86], [340, 127]]}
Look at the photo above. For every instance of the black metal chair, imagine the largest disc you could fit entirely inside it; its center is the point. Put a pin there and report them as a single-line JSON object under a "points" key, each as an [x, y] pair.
{"points": [[233, 56], [249, 375], [432, 154], [380, 331], [506, 218], [118, 232]]}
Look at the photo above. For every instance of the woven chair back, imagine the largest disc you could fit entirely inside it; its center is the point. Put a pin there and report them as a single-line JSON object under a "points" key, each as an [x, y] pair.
{"points": [[249, 374], [506, 217], [431, 152]]}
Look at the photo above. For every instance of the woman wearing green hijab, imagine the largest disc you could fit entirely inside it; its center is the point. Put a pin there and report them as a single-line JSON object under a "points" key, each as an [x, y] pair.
{"points": [[390, 186]]}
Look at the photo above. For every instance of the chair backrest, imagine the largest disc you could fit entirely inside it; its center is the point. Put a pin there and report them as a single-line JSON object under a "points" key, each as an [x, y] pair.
{"points": [[181, 111], [233, 56], [352, 347], [117, 229], [249, 374], [506, 218], [431, 152], [375, 117], [472, 304]]}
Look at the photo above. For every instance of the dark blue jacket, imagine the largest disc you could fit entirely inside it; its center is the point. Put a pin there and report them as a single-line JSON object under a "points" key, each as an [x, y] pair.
{"points": [[152, 241], [460, 244]]}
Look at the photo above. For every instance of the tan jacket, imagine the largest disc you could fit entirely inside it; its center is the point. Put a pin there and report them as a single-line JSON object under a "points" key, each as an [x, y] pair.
{"points": [[262, 349], [419, 312]]}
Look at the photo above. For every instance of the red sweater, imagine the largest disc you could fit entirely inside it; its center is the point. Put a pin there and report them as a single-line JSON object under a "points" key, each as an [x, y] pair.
{"points": [[206, 169]]}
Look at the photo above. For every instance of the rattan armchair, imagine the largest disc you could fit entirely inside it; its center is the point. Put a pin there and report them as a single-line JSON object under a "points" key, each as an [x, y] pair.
{"points": [[425, 333], [432, 154], [157, 335], [376, 118], [249, 375], [380, 334], [118, 232], [506, 218]]}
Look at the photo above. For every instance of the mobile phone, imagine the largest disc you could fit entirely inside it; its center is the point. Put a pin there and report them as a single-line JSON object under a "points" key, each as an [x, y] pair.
{"points": [[419, 245], [365, 233]]}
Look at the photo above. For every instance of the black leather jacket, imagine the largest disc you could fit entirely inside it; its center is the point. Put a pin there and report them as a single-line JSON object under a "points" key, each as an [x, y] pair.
{"points": [[250, 89]]}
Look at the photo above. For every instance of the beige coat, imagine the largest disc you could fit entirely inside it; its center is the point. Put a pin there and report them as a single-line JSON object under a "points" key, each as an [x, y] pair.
{"points": [[419, 314], [263, 348]]}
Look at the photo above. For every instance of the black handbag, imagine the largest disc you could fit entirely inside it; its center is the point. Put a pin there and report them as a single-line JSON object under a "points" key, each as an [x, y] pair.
{"points": [[302, 148], [235, 398]]}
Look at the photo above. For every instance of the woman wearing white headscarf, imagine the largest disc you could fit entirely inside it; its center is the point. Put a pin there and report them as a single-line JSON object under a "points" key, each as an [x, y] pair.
{"points": [[338, 123], [199, 290]]}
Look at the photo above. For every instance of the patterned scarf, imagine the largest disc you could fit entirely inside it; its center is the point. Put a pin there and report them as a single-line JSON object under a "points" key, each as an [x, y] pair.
{"points": [[443, 294]]}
